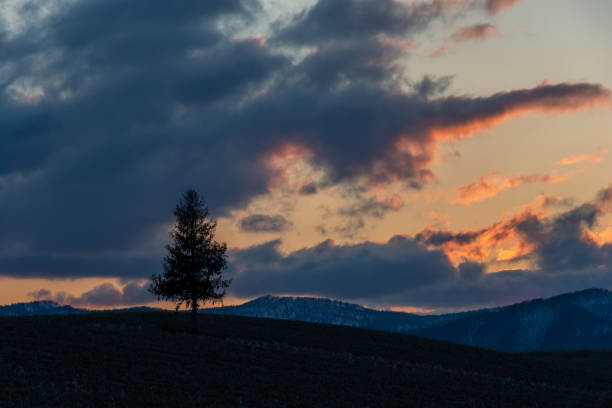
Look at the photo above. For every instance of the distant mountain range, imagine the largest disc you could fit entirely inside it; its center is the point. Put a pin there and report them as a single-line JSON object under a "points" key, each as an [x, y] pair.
{"points": [[47, 307], [321, 310], [579, 320]]}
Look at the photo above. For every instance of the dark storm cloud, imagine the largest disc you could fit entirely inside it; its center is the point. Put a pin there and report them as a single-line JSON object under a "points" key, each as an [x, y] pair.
{"points": [[119, 132], [562, 243], [332, 20], [359, 19], [368, 62], [264, 223], [345, 271], [70, 266], [353, 127], [401, 271], [108, 111]]}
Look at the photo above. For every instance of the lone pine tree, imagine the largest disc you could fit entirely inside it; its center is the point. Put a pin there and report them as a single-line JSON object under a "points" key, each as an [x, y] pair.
{"points": [[195, 262]]}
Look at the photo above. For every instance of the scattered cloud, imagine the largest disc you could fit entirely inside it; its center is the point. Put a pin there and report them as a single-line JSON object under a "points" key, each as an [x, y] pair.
{"points": [[371, 201], [490, 185], [596, 157], [418, 271]]}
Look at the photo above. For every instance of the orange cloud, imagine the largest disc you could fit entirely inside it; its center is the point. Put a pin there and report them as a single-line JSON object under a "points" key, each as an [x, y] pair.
{"points": [[495, 6], [602, 237], [497, 242], [517, 238], [477, 245], [500, 241], [491, 185], [589, 158]]}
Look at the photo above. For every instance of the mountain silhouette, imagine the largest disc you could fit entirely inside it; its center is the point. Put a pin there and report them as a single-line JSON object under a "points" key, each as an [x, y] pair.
{"points": [[578, 320]]}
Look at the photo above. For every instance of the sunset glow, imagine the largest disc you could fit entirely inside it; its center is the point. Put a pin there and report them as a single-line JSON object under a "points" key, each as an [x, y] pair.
{"points": [[373, 151]]}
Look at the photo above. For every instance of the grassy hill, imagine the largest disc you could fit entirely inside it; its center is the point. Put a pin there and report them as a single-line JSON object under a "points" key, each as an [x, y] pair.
{"points": [[150, 359]]}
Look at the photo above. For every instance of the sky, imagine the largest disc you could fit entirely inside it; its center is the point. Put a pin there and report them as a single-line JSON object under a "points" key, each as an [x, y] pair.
{"points": [[429, 156]]}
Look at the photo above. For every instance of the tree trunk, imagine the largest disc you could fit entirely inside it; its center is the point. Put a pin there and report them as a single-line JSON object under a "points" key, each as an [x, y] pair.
{"points": [[194, 317]]}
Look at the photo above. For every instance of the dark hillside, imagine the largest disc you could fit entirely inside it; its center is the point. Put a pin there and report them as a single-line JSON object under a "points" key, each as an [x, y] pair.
{"points": [[148, 359]]}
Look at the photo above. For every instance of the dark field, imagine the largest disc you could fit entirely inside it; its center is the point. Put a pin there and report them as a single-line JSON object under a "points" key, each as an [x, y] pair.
{"points": [[150, 359]]}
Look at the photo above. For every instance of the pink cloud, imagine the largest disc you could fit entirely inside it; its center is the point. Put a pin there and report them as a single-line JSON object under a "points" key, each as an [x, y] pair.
{"points": [[443, 49], [476, 32]]}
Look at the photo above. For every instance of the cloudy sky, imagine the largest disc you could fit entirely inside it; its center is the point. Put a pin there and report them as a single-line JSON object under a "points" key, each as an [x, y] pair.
{"points": [[424, 155]]}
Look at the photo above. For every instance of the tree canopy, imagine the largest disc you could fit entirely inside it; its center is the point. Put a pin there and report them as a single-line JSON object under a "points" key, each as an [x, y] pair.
{"points": [[193, 268]]}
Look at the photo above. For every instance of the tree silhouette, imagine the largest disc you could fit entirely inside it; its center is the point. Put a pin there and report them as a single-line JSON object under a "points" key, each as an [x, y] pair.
{"points": [[195, 261]]}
